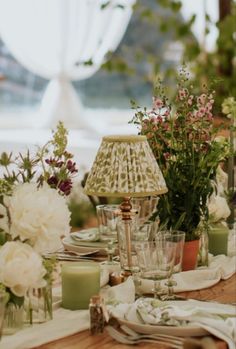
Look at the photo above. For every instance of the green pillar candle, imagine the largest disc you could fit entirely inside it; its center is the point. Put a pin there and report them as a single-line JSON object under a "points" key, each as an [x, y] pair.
{"points": [[80, 281], [218, 239]]}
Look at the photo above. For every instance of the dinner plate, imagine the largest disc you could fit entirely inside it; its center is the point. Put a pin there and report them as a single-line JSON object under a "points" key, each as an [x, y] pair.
{"points": [[130, 319], [85, 246], [182, 331]]}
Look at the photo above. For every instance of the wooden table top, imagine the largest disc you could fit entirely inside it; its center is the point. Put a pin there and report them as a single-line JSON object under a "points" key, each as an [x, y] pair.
{"points": [[223, 292]]}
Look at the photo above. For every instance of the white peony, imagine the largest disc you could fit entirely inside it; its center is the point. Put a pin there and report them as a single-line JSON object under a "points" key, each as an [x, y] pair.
{"points": [[39, 216], [21, 267], [218, 208]]}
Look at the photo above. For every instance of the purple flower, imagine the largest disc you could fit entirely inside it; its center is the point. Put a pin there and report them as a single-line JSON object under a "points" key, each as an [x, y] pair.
{"points": [[65, 186], [71, 166], [52, 181]]}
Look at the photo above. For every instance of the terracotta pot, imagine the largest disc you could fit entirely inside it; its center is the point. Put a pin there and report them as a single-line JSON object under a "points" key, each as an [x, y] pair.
{"points": [[190, 254]]}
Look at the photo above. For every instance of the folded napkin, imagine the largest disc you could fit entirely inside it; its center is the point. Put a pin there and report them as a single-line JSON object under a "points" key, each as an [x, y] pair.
{"points": [[220, 267], [217, 319], [91, 234]]}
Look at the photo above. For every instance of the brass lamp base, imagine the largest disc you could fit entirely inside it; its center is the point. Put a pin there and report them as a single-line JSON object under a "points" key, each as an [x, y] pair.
{"points": [[126, 214]]}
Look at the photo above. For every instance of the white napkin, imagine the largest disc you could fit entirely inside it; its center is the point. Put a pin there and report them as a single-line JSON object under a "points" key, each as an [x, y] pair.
{"points": [[220, 267], [217, 319]]}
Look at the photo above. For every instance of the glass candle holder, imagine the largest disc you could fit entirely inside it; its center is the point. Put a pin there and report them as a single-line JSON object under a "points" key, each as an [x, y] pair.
{"points": [[80, 281]]}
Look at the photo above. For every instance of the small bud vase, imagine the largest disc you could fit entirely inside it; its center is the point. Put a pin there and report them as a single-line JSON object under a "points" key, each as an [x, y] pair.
{"points": [[13, 318], [38, 304], [203, 249]]}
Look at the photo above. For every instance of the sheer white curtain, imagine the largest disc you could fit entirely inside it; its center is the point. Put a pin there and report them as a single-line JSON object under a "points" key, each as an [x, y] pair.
{"points": [[53, 38], [200, 8]]}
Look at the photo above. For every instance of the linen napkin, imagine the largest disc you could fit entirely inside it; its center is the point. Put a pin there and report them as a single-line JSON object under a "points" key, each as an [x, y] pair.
{"points": [[217, 319], [220, 267]]}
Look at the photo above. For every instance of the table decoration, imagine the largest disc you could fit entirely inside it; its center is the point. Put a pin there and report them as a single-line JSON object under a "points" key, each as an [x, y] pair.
{"points": [[66, 322], [219, 211], [183, 139], [18, 276], [184, 318], [80, 281], [125, 167], [34, 214]]}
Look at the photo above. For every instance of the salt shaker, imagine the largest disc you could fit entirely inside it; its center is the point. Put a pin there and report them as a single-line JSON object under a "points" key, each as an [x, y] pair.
{"points": [[96, 315]]}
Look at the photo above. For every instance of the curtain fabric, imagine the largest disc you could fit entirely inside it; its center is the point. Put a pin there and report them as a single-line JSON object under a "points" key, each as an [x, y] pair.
{"points": [[53, 39]]}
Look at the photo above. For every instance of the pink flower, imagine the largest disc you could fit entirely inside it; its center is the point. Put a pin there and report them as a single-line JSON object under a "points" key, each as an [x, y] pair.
{"points": [[157, 103], [166, 155], [183, 93], [208, 106], [202, 110]]}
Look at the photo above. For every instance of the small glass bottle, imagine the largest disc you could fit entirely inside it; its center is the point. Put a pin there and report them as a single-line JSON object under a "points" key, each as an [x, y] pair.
{"points": [[96, 315], [203, 249]]}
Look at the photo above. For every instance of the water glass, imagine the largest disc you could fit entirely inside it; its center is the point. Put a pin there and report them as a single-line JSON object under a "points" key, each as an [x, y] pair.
{"points": [[156, 261], [146, 207], [136, 232], [178, 237], [108, 216]]}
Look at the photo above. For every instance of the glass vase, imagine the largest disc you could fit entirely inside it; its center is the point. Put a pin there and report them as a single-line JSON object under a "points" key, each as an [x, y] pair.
{"points": [[13, 318], [38, 304]]}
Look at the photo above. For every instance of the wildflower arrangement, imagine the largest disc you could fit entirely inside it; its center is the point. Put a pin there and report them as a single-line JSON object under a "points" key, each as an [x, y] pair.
{"points": [[33, 213], [183, 139]]}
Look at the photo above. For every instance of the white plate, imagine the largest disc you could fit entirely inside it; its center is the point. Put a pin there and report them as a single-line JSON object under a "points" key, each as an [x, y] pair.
{"points": [[84, 247], [128, 316], [182, 331]]}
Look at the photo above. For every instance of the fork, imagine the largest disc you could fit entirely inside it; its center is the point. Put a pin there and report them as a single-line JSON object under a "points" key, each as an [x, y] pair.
{"points": [[133, 334], [176, 343]]}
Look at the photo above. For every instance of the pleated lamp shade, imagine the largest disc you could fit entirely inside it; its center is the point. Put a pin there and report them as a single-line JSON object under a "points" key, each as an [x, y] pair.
{"points": [[125, 167]]}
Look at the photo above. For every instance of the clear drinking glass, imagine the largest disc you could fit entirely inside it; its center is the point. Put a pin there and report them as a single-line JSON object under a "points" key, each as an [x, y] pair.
{"points": [[178, 239], [137, 233], [146, 207], [108, 216], [156, 261]]}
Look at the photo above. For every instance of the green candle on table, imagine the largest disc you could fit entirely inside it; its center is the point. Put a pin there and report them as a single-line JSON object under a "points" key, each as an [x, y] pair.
{"points": [[80, 281], [218, 239]]}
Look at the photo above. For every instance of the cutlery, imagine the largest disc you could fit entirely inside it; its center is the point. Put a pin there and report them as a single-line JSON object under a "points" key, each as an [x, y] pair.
{"points": [[71, 256], [128, 339]]}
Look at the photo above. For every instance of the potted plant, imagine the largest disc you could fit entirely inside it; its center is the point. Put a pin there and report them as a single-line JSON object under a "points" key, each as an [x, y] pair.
{"points": [[183, 139]]}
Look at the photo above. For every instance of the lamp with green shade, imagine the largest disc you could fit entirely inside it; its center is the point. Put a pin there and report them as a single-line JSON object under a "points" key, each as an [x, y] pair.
{"points": [[125, 167]]}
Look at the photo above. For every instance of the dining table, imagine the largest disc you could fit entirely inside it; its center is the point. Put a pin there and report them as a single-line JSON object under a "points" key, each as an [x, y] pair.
{"points": [[223, 292]]}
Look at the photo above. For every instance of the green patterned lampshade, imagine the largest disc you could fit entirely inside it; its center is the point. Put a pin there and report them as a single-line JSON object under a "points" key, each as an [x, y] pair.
{"points": [[125, 167]]}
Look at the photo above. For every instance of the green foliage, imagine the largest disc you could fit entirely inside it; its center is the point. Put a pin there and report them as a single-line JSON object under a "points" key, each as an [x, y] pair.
{"points": [[165, 18], [183, 139], [81, 212], [53, 160]]}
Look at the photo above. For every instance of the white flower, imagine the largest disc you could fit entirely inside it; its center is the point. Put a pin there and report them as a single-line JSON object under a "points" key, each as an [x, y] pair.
{"points": [[21, 267], [218, 208], [221, 180], [39, 216]]}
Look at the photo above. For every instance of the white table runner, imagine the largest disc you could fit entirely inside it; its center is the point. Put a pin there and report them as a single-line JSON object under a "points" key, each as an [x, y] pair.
{"points": [[66, 322]]}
